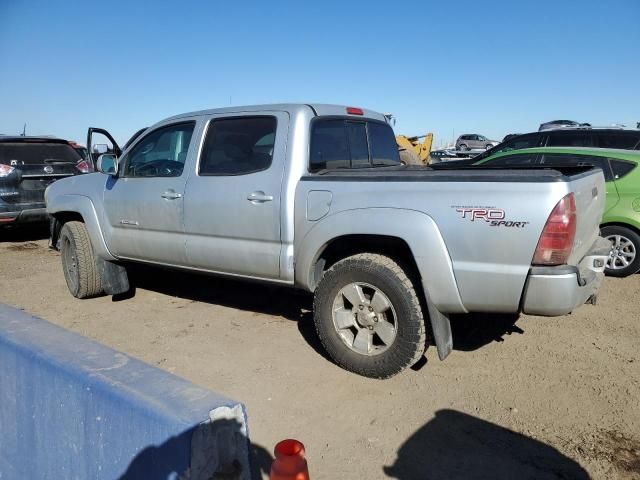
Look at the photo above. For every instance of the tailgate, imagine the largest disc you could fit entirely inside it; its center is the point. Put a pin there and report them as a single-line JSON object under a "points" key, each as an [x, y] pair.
{"points": [[589, 191]]}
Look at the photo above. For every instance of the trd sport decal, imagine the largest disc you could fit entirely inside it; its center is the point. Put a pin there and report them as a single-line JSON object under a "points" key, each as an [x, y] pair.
{"points": [[495, 217]]}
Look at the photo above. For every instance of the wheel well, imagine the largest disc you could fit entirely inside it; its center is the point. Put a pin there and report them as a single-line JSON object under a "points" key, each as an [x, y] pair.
{"points": [[57, 221], [348, 245], [620, 224]]}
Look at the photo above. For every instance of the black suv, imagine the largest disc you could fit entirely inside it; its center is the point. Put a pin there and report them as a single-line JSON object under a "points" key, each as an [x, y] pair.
{"points": [[570, 137], [27, 166]]}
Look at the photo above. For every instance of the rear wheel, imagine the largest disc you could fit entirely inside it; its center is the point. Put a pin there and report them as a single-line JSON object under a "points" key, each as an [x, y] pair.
{"points": [[624, 258], [78, 261], [368, 316], [463, 148]]}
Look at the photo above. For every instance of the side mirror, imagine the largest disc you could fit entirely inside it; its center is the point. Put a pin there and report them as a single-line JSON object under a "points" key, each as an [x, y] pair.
{"points": [[100, 148], [108, 164]]}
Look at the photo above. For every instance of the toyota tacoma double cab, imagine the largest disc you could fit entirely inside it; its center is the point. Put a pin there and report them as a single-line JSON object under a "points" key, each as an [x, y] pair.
{"points": [[315, 197]]}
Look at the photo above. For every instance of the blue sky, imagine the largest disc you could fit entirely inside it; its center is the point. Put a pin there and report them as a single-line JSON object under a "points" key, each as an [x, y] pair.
{"points": [[490, 67]]}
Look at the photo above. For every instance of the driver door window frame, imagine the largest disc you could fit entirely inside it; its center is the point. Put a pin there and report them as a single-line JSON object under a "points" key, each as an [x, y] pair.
{"points": [[124, 159]]}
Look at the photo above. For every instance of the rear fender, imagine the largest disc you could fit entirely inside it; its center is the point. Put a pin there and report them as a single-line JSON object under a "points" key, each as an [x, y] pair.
{"points": [[417, 229], [422, 236]]}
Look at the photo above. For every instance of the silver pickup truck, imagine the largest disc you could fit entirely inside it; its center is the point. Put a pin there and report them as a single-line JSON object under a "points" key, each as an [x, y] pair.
{"points": [[315, 197]]}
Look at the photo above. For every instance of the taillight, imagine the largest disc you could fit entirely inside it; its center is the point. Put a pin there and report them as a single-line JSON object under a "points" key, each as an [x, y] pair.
{"points": [[556, 241], [5, 170], [84, 166], [354, 111]]}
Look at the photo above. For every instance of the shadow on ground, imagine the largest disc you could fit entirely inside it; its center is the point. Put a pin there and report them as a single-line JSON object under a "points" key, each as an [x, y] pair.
{"points": [[455, 445], [470, 332], [167, 460], [24, 233]]}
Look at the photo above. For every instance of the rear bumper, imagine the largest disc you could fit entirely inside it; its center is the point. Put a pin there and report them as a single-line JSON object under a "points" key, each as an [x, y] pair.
{"points": [[553, 291], [27, 215]]}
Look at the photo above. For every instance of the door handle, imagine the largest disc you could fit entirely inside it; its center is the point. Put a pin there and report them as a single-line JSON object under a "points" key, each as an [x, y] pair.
{"points": [[259, 197], [171, 195]]}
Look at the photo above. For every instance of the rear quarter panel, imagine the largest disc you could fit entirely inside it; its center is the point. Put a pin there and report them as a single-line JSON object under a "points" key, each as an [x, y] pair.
{"points": [[627, 209], [489, 262]]}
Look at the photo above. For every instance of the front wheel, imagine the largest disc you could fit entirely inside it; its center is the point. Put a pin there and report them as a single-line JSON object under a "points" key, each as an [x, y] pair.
{"points": [[368, 316], [624, 258], [79, 262]]}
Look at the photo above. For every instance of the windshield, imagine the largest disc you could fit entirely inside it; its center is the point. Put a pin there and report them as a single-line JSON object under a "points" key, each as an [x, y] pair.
{"points": [[26, 153]]}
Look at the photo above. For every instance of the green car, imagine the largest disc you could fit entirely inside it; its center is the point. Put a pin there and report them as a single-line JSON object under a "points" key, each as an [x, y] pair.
{"points": [[621, 218]]}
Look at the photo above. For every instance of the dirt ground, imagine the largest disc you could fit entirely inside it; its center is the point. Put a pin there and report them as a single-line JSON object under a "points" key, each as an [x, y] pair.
{"points": [[526, 397]]}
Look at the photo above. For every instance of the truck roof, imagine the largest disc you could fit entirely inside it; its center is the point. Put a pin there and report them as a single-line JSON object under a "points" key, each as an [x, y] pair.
{"points": [[315, 108]]}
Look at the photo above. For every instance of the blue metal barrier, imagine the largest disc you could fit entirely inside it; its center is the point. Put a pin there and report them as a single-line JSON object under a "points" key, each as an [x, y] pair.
{"points": [[71, 408]]}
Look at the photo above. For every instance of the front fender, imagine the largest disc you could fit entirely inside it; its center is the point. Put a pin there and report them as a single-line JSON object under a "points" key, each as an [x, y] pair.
{"points": [[417, 229], [82, 205]]}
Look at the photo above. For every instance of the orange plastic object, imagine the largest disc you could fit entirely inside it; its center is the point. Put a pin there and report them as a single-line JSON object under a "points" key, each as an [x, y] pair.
{"points": [[290, 463]]}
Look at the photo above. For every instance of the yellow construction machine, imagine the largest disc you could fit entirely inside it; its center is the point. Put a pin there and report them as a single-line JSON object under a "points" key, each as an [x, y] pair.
{"points": [[414, 152]]}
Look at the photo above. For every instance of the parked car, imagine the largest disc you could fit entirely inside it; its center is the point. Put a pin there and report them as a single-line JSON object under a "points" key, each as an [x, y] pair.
{"points": [[27, 166], [621, 220], [474, 142], [315, 197], [583, 137], [556, 124]]}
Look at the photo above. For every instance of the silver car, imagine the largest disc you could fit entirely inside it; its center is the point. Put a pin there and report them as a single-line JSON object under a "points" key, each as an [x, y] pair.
{"points": [[473, 141]]}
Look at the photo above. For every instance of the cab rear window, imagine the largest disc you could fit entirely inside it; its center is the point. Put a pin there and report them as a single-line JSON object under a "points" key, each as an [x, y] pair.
{"points": [[344, 143]]}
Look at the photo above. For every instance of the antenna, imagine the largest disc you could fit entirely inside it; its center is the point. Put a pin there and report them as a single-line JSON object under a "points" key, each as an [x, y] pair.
{"points": [[24, 130]]}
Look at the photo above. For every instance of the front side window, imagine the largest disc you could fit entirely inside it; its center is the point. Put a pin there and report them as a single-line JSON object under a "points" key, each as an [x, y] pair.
{"points": [[339, 144], [162, 153], [238, 146]]}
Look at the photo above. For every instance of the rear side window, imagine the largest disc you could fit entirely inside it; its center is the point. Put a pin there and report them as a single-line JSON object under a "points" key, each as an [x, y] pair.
{"points": [[621, 167], [339, 143], [576, 139], [518, 143], [625, 141], [238, 146], [557, 159]]}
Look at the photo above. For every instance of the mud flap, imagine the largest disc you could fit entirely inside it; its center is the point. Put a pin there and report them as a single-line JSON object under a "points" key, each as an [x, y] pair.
{"points": [[441, 329], [114, 277]]}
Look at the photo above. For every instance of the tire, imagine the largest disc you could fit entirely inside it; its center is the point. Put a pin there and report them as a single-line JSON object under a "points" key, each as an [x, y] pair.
{"points": [[374, 274], [410, 158], [463, 148], [488, 146], [626, 248], [79, 262]]}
